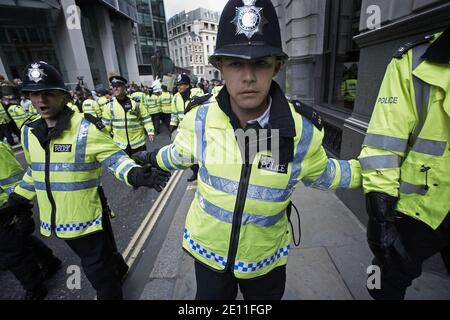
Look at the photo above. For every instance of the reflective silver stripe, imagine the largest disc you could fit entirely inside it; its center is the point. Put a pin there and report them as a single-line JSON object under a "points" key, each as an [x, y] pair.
{"points": [[385, 142], [380, 162], [13, 179], [80, 152], [69, 167], [421, 92], [408, 188], [431, 147]]}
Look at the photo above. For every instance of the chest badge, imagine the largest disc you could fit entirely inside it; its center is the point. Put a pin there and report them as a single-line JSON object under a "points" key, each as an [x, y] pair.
{"points": [[268, 163]]}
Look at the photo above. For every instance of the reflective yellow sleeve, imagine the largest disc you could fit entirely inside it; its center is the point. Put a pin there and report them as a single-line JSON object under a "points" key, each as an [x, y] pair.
{"points": [[181, 153], [393, 119], [324, 173], [109, 155]]}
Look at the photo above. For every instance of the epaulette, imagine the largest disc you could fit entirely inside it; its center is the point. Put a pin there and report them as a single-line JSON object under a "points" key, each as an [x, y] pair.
{"points": [[94, 120], [196, 101], [406, 47], [308, 113]]}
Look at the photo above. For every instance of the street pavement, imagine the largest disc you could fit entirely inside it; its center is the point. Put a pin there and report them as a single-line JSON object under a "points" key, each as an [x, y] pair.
{"points": [[330, 263]]}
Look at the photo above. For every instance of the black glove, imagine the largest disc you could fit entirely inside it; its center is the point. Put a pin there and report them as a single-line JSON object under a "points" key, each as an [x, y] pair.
{"points": [[147, 176], [381, 229], [15, 206], [145, 157]]}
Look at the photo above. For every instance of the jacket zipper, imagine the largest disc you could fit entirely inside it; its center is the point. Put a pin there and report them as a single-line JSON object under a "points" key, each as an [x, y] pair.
{"points": [[126, 128], [239, 208], [48, 187]]}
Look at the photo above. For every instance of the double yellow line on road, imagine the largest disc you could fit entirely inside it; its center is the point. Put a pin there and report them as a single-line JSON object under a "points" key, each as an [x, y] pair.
{"points": [[138, 240]]}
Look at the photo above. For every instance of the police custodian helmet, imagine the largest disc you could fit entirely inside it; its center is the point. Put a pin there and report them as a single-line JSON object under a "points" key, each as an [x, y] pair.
{"points": [[41, 76], [248, 29]]}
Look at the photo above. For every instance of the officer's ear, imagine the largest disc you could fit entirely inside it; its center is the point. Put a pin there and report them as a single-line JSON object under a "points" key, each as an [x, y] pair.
{"points": [[278, 65]]}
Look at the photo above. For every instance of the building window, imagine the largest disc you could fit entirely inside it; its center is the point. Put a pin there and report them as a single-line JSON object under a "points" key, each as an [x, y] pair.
{"points": [[207, 38], [341, 53], [207, 48]]}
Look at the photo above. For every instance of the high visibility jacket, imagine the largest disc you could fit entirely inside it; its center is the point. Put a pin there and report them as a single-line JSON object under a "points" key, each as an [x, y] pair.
{"points": [[20, 116], [127, 128], [4, 118], [406, 152], [73, 107], [102, 101], [197, 91], [178, 107], [92, 107], [166, 102], [153, 104], [348, 89], [64, 172], [138, 96], [32, 110], [215, 91], [11, 172], [238, 217]]}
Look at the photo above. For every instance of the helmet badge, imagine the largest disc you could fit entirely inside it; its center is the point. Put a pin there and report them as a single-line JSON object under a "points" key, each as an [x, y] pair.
{"points": [[249, 19], [35, 73]]}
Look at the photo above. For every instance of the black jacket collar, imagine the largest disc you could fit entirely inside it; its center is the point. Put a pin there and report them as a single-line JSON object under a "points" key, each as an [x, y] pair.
{"points": [[44, 134], [439, 51], [280, 114]]}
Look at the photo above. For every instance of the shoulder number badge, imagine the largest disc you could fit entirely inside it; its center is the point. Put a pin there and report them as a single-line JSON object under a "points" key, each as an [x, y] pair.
{"points": [[249, 19]]}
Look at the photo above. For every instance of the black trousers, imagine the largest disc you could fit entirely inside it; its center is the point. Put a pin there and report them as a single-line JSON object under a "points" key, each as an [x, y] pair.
{"points": [[5, 131], [212, 285], [420, 242], [99, 265], [23, 256], [156, 122], [165, 117]]}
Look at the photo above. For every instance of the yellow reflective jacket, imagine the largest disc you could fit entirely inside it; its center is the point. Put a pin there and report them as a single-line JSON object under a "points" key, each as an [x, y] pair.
{"points": [[11, 172], [127, 128], [64, 172], [406, 152], [238, 217], [153, 104], [92, 107], [179, 106], [166, 102]]}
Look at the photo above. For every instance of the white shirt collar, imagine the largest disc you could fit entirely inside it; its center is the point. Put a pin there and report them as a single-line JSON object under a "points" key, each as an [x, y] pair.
{"points": [[263, 119]]}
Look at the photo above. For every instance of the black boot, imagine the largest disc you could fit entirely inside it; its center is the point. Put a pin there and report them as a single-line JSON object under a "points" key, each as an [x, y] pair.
{"points": [[193, 177], [38, 293]]}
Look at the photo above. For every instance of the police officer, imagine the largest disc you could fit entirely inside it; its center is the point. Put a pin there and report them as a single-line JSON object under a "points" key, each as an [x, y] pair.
{"points": [[65, 152], [27, 257], [166, 105], [237, 228], [406, 164], [91, 106], [126, 120]]}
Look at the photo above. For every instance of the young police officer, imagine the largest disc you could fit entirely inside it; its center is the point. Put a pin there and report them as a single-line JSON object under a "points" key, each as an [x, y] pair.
{"points": [[65, 152], [237, 228]]}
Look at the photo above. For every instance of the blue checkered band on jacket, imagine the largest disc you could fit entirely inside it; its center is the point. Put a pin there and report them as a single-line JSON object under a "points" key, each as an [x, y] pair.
{"points": [[239, 266], [204, 252], [70, 227]]}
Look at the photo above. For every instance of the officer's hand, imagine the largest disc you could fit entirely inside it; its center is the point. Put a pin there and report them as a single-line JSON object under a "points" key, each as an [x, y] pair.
{"points": [[145, 157], [147, 176], [381, 229]]}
